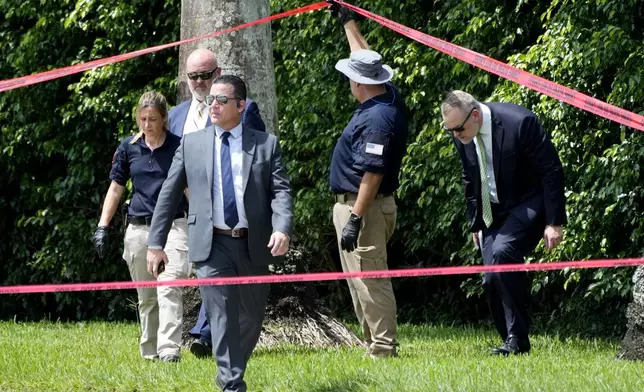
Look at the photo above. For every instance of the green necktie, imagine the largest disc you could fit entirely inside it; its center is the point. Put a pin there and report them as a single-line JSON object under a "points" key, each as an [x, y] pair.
{"points": [[485, 188]]}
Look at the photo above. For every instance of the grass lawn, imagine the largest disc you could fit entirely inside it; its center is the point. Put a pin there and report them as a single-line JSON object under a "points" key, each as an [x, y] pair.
{"points": [[104, 357]]}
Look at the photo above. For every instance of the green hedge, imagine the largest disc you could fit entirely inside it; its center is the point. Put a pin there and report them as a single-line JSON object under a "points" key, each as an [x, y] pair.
{"points": [[58, 139], [593, 46]]}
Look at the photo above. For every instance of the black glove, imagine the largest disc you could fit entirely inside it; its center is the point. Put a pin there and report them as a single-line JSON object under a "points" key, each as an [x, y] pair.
{"points": [[100, 240], [343, 14], [349, 240]]}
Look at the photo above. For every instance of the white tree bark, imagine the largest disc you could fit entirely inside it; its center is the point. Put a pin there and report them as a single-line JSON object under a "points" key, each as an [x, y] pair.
{"points": [[247, 53]]}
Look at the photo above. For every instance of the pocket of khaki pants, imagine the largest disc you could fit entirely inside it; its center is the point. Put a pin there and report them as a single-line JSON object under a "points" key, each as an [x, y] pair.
{"points": [[372, 264], [179, 234], [388, 209], [128, 244], [185, 265], [389, 213]]}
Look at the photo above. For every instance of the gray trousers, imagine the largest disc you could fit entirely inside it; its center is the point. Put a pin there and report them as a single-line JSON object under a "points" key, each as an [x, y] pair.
{"points": [[235, 313]]}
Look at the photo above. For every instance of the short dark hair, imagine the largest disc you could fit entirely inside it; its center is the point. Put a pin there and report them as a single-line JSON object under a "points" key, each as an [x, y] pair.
{"points": [[239, 87]]}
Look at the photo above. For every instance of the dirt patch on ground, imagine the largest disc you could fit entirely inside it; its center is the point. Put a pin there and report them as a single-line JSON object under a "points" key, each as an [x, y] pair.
{"points": [[293, 314]]}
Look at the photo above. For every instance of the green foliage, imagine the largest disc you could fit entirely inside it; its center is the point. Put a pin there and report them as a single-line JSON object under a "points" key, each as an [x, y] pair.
{"points": [[58, 138], [593, 46]]}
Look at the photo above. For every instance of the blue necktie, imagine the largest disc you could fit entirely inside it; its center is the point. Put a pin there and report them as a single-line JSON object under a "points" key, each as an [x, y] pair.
{"points": [[227, 184]]}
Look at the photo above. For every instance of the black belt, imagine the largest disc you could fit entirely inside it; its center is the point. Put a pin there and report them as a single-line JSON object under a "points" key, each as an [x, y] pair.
{"points": [[146, 220], [345, 197], [235, 233]]}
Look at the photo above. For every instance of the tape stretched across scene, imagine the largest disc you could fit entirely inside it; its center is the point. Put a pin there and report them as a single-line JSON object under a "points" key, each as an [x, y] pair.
{"points": [[478, 60], [23, 81], [324, 276], [488, 64], [514, 74]]}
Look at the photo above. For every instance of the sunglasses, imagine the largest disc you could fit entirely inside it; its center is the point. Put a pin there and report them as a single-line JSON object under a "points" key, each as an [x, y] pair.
{"points": [[222, 99], [202, 75], [461, 127]]}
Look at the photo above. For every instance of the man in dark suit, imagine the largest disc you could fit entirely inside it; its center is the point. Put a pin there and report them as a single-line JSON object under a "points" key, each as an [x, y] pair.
{"points": [[191, 116], [514, 186], [239, 221]]}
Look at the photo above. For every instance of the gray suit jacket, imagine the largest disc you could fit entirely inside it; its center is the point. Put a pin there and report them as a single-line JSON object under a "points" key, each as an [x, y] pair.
{"points": [[267, 194]]}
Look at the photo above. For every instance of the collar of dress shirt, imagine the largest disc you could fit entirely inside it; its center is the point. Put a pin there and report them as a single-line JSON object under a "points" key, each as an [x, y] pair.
{"points": [[486, 126], [234, 133], [194, 103]]}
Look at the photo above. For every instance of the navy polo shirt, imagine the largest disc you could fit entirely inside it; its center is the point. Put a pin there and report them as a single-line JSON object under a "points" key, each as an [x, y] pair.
{"points": [[375, 141], [148, 170]]}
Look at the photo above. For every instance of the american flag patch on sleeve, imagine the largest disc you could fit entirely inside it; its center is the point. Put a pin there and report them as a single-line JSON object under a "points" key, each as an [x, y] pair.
{"points": [[375, 149]]}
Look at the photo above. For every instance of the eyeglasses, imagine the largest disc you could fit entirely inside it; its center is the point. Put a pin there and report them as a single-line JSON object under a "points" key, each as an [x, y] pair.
{"points": [[461, 127], [222, 99], [202, 75]]}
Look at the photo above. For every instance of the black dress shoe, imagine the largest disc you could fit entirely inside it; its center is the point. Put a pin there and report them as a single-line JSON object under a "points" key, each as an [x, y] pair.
{"points": [[512, 345], [201, 349]]}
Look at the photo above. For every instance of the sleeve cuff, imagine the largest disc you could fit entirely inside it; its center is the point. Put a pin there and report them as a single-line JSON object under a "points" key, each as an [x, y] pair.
{"points": [[370, 169], [119, 181]]}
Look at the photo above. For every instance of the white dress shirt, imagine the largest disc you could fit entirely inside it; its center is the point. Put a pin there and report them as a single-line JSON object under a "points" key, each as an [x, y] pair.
{"points": [[193, 122], [236, 158], [486, 135]]}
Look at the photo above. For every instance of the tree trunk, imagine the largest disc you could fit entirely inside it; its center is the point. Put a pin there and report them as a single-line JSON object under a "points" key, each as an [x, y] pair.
{"points": [[294, 315], [246, 53], [633, 344]]}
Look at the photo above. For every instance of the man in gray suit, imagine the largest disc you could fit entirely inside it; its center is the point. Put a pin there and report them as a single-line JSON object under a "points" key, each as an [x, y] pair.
{"points": [[239, 221]]}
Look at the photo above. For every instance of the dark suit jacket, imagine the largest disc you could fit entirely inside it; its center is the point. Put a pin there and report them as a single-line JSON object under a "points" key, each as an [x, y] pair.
{"points": [[528, 173], [178, 115], [268, 200]]}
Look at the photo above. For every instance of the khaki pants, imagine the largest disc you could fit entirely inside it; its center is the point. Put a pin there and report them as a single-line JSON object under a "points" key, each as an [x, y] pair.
{"points": [[160, 308], [373, 299]]}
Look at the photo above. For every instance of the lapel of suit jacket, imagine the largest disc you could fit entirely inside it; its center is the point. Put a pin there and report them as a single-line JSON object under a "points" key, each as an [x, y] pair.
{"points": [[498, 134], [182, 117], [208, 149], [248, 146], [470, 154]]}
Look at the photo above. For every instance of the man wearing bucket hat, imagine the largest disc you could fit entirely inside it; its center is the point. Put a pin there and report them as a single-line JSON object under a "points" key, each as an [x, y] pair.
{"points": [[364, 176]]}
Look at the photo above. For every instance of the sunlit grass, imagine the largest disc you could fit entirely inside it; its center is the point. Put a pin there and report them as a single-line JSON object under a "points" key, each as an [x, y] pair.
{"points": [[104, 357]]}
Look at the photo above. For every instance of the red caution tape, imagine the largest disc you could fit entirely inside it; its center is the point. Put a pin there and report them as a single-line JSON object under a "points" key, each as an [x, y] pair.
{"points": [[514, 74], [318, 277], [10, 84], [491, 65], [496, 67]]}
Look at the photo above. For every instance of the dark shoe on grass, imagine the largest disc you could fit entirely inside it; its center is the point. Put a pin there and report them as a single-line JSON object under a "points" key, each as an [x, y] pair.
{"points": [[512, 345], [201, 349]]}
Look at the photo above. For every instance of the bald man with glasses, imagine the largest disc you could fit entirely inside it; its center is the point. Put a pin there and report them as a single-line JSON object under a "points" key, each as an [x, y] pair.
{"points": [[201, 70]]}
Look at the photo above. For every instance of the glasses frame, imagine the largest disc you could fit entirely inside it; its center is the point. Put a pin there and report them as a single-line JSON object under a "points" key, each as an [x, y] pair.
{"points": [[461, 127], [194, 76], [221, 99]]}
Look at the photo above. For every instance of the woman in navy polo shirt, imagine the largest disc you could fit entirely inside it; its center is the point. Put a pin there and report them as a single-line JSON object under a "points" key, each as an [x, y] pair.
{"points": [[145, 159]]}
